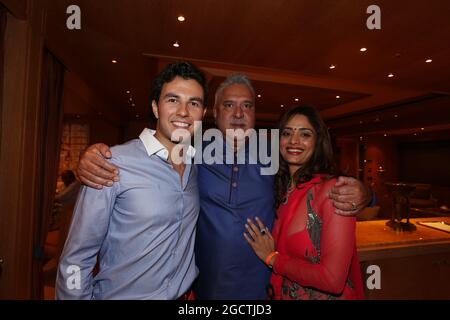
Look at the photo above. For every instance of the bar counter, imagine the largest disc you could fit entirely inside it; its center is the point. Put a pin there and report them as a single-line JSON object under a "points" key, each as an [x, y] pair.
{"points": [[413, 264]]}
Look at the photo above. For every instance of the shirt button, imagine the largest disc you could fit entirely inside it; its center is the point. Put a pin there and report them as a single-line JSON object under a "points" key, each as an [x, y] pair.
{"points": [[235, 169], [234, 184]]}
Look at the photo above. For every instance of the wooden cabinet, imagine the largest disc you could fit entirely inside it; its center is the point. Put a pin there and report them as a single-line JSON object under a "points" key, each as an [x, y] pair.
{"points": [[413, 265]]}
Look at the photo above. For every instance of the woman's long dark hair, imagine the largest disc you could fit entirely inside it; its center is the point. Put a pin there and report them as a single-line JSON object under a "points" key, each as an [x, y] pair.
{"points": [[321, 161]]}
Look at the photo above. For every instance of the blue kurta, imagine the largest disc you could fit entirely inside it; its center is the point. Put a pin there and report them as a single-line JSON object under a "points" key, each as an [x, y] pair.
{"points": [[229, 194]]}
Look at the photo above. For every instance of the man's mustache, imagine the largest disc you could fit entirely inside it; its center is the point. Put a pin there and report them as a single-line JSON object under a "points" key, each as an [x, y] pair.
{"points": [[238, 122]]}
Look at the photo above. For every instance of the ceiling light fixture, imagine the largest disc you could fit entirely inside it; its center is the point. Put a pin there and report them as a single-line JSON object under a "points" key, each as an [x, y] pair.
{"points": [[338, 97], [282, 106], [332, 66], [296, 99], [428, 60], [181, 18], [176, 44], [422, 129], [395, 115], [114, 61], [390, 75], [259, 96], [128, 91], [363, 49]]}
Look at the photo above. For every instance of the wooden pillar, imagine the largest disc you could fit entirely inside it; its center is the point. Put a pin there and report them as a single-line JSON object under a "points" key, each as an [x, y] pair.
{"points": [[24, 36]]}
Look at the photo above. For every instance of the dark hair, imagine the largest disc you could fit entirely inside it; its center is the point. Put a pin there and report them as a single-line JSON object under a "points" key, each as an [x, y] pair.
{"points": [[184, 70], [67, 177], [321, 160]]}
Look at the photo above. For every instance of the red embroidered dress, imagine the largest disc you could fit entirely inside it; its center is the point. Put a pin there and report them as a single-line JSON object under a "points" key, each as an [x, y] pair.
{"points": [[317, 247]]}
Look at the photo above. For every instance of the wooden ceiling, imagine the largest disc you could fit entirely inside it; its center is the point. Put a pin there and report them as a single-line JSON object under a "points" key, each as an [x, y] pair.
{"points": [[285, 46]]}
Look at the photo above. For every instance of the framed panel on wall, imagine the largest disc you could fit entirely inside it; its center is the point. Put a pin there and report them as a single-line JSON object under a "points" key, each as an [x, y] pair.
{"points": [[75, 139]]}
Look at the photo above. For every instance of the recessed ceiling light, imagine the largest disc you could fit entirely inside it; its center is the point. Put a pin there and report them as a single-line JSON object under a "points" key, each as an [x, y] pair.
{"points": [[363, 49], [282, 106], [428, 60], [385, 134], [133, 105], [137, 116], [390, 75], [128, 91], [259, 96], [360, 138], [338, 97], [181, 18], [422, 129], [395, 115], [415, 134], [332, 66], [114, 61], [296, 99], [176, 44]]}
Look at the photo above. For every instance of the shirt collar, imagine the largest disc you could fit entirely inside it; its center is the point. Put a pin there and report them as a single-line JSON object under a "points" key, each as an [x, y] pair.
{"points": [[153, 146]]}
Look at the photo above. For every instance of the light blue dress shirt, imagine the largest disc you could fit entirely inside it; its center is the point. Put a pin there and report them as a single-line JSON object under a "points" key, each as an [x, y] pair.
{"points": [[143, 229]]}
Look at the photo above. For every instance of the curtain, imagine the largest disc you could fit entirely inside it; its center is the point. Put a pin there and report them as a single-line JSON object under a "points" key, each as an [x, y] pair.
{"points": [[2, 49], [52, 86]]}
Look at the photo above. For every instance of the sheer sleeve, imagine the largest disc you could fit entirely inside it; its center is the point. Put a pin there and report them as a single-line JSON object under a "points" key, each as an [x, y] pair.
{"points": [[336, 246]]}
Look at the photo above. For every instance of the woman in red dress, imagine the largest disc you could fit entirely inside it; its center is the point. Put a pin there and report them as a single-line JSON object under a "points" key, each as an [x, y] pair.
{"points": [[312, 250]]}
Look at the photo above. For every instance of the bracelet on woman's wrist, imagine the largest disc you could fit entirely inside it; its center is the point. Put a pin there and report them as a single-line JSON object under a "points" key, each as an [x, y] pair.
{"points": [[269, 258]]}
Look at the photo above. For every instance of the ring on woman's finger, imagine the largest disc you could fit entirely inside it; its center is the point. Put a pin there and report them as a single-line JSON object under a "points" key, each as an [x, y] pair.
{"points": [[263, 231]]}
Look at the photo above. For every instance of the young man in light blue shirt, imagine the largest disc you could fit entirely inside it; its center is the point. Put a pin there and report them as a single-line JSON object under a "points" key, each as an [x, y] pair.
{"points": [[143, 228]]}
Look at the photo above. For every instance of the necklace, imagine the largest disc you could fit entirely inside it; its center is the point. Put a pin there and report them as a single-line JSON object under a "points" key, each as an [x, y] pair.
{"points": [[289, 190]]}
